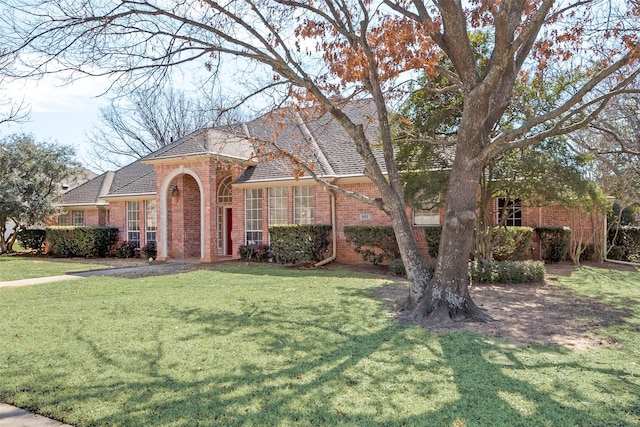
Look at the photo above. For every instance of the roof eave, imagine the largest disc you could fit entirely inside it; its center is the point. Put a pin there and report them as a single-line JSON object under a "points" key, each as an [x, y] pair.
{"points": [[129, 196], [197, 156]]}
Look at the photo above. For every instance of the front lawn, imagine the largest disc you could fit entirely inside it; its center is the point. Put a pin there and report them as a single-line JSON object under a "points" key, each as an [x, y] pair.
{"points": [[267, 346], [17, 268]]}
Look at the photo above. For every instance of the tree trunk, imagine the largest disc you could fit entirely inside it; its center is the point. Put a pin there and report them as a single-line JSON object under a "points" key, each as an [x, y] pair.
{"points": [[414, 264], [446, 297]]}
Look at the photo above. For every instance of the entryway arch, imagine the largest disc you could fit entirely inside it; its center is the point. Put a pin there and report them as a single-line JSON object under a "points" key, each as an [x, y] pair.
{"points": [[171, 190]]}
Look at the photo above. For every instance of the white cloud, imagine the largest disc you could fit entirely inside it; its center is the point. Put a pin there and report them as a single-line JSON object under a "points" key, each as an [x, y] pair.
{"points": [[50, 94]]}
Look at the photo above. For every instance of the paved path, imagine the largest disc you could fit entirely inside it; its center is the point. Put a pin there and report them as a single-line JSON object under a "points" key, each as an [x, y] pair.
{"points": [[156, 269], [10, 416]]}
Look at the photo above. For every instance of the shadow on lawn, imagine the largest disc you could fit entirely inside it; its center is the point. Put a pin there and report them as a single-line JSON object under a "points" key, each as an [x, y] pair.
{"points": [[332, 374]]}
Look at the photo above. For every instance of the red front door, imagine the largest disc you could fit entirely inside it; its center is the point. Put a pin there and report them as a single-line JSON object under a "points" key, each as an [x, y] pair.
{"points": [[229, 216]]}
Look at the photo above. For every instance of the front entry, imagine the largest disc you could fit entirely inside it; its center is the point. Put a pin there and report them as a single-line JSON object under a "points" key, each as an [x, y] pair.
{"points": [[228, 214]]}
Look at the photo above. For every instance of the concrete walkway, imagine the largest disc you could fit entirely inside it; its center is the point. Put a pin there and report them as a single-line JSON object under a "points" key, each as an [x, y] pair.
{"points": [[10, 416]]}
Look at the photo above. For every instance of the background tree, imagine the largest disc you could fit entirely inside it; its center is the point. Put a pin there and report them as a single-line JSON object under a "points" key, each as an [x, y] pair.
{"points": [[614, 140], [31, 175], [323, 52], [536, 175], [10, 109], [146, 119]]}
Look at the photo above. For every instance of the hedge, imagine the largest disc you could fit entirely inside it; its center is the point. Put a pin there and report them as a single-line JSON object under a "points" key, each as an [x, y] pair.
{"points": [[81, 241], [511, 243], [492, 271], [624, 243], [32, 238], [295, 243], [375, 243], [554, 242], [506, 271]]}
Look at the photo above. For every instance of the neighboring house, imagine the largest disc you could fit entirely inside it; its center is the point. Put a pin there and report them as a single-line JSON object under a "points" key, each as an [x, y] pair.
{"points": [[212, 191]]}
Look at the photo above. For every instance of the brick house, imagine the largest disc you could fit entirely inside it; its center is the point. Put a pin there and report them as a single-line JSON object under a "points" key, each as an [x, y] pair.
{"points": [[205, 195]]}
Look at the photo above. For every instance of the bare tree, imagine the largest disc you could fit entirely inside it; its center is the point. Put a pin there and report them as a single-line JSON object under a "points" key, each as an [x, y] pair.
{"points": [[146, 119], [10, 109], [614, 139], [326, 51]]}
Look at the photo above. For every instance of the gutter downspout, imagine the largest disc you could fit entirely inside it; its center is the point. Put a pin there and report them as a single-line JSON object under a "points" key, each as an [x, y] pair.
{"points": [[334, 233]]}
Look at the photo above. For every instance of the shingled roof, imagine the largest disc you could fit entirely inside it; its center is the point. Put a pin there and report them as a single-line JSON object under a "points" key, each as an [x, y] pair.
{"points": [[315, 137], [226, 143], [136, 178]]}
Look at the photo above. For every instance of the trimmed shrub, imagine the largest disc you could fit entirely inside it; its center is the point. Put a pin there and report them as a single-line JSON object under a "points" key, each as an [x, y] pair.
{"points": [[506, 271], [432, 237], [81, 241], [126, 249], [511, 243], [396, 266], [294, 243], [628, 239], [149, 250], [32, 238], [554, 242], [375, 243], [258, 252]]}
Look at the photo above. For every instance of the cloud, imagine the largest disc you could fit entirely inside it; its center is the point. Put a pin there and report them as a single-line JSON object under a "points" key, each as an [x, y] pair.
{"points": [[50, 94]]}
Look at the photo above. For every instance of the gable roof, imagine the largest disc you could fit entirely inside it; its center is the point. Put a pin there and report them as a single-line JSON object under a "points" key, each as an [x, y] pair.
{"points": [[219, 142], [317, 138], [133, 179], [313, 136]]}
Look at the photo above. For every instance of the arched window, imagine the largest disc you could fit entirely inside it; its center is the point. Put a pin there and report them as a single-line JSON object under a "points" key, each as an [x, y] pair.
{"points": [[224, 191]]}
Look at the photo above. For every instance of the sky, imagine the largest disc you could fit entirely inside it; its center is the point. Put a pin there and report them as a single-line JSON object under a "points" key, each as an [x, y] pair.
{"points": [[58, 112]]}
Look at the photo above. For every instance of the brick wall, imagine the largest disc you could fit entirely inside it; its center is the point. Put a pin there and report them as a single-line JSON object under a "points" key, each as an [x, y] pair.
{"points": [[349, 211]]}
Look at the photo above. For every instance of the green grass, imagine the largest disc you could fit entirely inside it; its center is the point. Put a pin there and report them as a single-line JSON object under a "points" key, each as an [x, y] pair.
{"points": [[267, 346], [17, 268]]}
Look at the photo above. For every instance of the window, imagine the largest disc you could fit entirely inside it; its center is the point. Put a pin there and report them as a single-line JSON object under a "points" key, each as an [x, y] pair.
{"points": [[278, 205], [78, 218], [63, 219], [150, 222], [133, 223], [224, 191], [426, 216], [512, 210], [253, 215], [303, 205]]}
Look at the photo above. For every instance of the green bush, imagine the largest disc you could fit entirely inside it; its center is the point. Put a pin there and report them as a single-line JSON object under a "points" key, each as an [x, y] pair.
{"points": [[258, 252], [554, 242], [432, 237], [396, 266], [511, 243], [615, 252], [294, 243], [376, 243], [506, 271], [628, 239], [81, 241], [149, 250], [32, 238], [126, 249]]}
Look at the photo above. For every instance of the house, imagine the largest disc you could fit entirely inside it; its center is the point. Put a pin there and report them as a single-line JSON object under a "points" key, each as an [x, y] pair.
{"points": [[205, 195]]}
